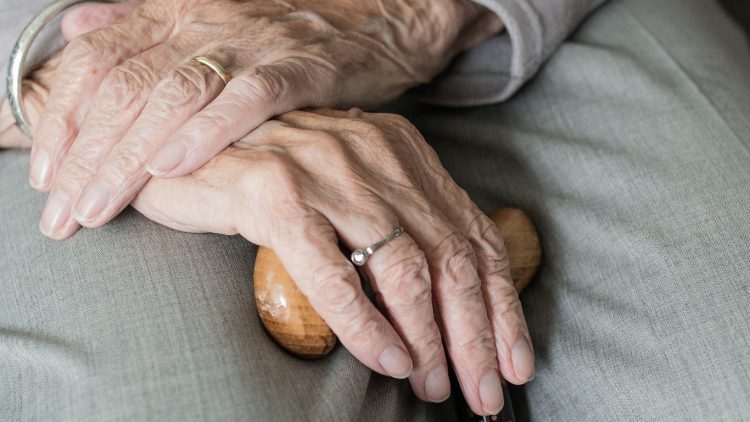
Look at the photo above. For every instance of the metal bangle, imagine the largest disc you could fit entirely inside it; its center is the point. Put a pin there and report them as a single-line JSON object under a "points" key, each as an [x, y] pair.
{"points": [[20, 53]]}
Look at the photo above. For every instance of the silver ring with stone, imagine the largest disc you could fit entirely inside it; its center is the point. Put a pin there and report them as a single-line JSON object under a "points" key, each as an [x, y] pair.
{"points": [[360, 256]]}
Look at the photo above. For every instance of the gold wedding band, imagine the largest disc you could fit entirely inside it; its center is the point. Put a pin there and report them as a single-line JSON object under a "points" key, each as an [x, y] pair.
{"points": [[215, 66]]}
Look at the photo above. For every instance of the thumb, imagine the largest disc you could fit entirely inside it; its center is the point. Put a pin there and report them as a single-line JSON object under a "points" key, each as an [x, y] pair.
{"points": [[35, 94], [92, 16], [10, 135]]}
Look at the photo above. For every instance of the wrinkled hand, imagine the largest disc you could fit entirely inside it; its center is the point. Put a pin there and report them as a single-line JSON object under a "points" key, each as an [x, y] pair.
{"points": [[129, 101], [301, 183]]}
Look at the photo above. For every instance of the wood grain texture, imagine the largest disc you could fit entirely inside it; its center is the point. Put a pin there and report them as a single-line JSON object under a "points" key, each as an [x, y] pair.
{"points": [[285, 311], [294, 325], [521, 244]]}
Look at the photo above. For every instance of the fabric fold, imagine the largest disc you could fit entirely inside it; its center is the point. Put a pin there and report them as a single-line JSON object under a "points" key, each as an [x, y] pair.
{"points": [[498, 67]]}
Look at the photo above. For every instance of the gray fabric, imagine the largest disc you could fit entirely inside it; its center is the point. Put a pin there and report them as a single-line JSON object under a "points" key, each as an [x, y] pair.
{"points": [[494, 70], [139, 322], [631, 151]]}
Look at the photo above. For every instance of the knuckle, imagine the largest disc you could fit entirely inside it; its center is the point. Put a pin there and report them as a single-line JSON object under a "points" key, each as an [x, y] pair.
{"points": [[488, 243], [480, 344], [281, 173], [505, 303], [129, 161], [334, 287], [81, 165], [367, 130], [209, 124], [83, 51], [408, 282], [181, 86], [126, 85], [510, 313], [428, 348], [457, 263], [274, 184], [377, 144], [386, 129], [367, 331], [75, 171], [327, 147], [398, 123], [326, 141], [263, 88]]}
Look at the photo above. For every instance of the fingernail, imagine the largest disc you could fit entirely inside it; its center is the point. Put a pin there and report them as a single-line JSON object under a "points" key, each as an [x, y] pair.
{"points": [[55, 214], [437, 386], [491, 392], [396, 362], [166, 159], [40, 166], [94, 198], [523, 359]]}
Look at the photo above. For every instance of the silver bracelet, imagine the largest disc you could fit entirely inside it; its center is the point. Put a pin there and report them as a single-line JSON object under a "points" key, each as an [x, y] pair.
{"points": [[20, 53]]}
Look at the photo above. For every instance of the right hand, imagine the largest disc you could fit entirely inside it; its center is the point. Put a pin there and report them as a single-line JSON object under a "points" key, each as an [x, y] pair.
{"points": [[305, 181]]}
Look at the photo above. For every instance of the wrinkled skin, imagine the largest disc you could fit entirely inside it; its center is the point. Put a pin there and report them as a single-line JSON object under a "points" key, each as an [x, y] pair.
{"points": [[129, 102], [305, 180]]}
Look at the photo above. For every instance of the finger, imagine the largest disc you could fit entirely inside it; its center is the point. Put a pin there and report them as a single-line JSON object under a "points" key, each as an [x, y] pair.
{"points": [[56, 214], [511, 334], [468, 334], [452, 265], [461, 270], [459, 303], [247, 101], [400, 277], [208, 194], [35, 94], [10, 135], [311, 255], [86, 61], [399, 274], [513, 342], [92, 16], [303, 239], [183, 92], [116, 105]]}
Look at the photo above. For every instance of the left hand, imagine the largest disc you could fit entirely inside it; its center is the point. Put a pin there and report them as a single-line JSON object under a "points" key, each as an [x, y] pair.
{"points": [[129, 101]]}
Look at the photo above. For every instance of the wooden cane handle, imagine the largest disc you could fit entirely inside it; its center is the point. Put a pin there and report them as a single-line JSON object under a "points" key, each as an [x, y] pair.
{"points": [[294, 324]]}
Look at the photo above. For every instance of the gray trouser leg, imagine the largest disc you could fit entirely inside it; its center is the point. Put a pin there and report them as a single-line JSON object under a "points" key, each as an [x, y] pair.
{"points": [[139, 322], [631, 150]]}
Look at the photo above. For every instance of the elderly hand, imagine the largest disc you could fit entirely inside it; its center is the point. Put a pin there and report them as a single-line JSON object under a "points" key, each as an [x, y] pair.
{"points": [[305, 181], [128, 98]]}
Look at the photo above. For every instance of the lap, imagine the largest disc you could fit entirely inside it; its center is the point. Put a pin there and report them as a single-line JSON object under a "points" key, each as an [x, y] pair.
{"points": [[630, 150], [138, 322]]}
